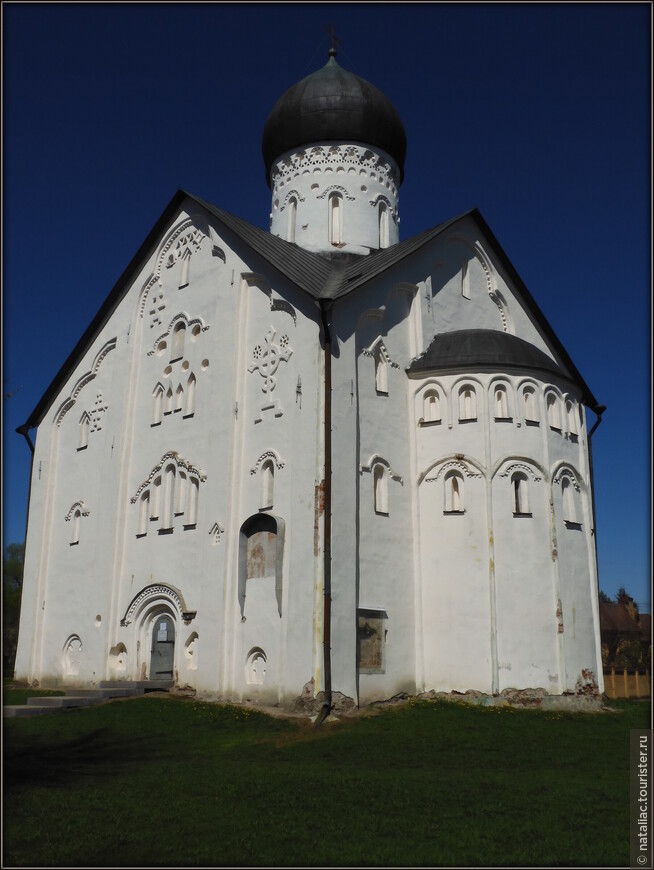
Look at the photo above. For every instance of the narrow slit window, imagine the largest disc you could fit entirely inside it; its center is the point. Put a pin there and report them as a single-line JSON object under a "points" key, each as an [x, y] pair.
{"points": [[84, 428], [553, 414], [380, 483], [384, 239], [157, 405], [180, 495], [569, 508], [155, 498], [431, 410], [192, 508], [189, 407], [179, 335], [501, 404], [467, 403], [144, 512], [520, 495], [168, 499], [454, 494], [179, 397], [531, 409], [169, 401], [571, 415], [336, 219], [74, 538], [381, 373], [267, 484], [291, 219]]}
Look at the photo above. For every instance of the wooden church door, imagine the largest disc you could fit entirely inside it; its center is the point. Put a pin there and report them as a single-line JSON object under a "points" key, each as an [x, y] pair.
{"points": [[163, 649]]}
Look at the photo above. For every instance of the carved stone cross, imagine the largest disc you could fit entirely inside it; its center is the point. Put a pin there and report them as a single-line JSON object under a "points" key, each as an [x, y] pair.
{"points": [[267, 360]]}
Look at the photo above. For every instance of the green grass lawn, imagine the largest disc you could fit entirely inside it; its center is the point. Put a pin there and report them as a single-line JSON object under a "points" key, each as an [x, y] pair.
{"points": [[172, 782]]}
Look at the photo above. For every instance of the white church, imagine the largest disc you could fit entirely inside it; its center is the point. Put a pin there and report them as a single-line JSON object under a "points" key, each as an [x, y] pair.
{"points": [[319, 459]]}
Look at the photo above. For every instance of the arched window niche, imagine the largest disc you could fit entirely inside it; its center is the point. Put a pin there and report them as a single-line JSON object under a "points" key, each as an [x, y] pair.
{"points": [[267, 485], [84, 428], [157, 405], [571, 418], [74, 535], [380, 484], [530, 406], [144, 512], [336, 219], [168, 511], [261, 554], [570, 517], [384, 233], [520, 493], [189, 406], [179, 397], [381, 373], [501, 403], [467, 404], [291, 219], [454, 493], [553, 412], [192, 503], [431, 408], [179, 336]]}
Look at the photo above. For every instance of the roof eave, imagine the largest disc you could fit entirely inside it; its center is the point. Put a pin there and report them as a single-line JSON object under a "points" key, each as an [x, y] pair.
{"points": [[106, 309]]}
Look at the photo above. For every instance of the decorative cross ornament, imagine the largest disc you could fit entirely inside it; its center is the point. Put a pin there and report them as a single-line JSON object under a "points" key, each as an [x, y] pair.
{"points": [[267, 360]]}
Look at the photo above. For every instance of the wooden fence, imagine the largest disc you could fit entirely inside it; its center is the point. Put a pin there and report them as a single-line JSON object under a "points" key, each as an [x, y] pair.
{"points": [[628, 684]]}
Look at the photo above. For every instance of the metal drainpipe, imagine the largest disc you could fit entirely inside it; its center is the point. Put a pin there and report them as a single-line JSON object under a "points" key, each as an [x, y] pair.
{"points": [[25, 432], [325, 305], [599, 411]]}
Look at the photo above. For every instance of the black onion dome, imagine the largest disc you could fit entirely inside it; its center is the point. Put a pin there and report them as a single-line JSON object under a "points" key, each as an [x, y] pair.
{"points": [[333, 104]]}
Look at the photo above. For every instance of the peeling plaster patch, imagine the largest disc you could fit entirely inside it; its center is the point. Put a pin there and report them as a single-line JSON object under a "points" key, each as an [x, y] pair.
{"points": [[587, 684]]}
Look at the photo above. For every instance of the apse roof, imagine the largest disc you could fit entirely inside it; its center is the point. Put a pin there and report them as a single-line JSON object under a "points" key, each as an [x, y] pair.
{"points": [[323, 279], [482, 347]]}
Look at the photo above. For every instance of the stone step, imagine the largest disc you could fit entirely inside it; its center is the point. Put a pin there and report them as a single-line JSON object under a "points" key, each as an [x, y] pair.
{"points": [[86, 697], [143, 685], [102, 694], [63, 701], [12, 711]]}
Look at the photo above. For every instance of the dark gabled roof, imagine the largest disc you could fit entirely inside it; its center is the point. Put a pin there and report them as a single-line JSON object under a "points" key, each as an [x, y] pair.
{"points": [[319, 276], [481, 347]]}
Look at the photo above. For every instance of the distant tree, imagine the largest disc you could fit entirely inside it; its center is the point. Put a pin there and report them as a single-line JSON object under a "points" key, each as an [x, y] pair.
{"points": [[622, 596], [604, 597], [624, 648], [13, 558]]}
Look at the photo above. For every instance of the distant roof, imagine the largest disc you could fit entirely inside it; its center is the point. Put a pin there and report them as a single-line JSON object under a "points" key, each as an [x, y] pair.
{"points": [[481, 347], [323, 279], [614, 616]]}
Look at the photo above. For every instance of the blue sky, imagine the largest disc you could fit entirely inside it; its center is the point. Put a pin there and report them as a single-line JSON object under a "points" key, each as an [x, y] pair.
{"points": [[537, 114]]}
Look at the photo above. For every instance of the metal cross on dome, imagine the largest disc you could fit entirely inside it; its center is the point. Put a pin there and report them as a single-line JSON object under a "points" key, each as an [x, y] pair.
{"points": [[335, 41]]}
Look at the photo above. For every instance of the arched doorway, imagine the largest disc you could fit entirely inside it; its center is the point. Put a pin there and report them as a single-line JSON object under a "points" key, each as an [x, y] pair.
{"points": [[162, 650], [155, 619]]}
